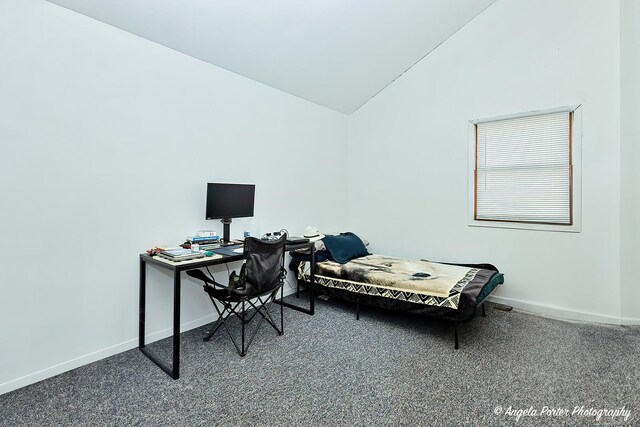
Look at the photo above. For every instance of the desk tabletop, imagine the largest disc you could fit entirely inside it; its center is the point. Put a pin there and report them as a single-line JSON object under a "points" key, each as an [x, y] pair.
{"points": [[207, 261], [190, 264]]}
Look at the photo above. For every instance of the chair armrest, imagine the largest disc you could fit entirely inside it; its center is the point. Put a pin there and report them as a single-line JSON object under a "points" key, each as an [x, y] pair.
{"points": [[198, 274]]}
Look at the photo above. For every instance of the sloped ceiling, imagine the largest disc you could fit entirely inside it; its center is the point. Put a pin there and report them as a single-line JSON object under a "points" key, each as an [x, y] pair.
{"points": [[336, 53]]}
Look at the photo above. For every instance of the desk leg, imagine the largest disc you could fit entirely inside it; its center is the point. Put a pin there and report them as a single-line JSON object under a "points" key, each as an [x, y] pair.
{"points": [[143, 297], [174, 370], [175, 374], [312, 297]]}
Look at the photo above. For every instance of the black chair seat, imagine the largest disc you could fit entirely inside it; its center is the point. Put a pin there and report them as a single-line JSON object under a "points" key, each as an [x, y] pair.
{"points": [[226, 294]]}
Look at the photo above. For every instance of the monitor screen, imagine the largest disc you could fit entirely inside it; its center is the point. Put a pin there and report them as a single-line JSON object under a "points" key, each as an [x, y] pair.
{"points": [[229, 200]]}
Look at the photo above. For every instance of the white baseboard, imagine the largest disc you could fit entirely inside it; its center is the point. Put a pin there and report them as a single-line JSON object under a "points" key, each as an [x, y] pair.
{"points": [[630, 321], [557, 312], [545, 310], [98, 355], [105, 352]]}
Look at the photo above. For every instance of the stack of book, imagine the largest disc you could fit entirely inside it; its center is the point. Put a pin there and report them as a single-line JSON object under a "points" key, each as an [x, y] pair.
{"points": [[179, 254], [205, 242]]}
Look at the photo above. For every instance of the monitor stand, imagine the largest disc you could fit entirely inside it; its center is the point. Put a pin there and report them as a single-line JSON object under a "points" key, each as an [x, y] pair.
{"points": [[226, 231]]}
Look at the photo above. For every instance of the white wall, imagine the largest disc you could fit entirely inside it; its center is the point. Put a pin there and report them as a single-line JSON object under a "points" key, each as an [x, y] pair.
{"points": [[630, 158], [107, 142], [408, 187]]}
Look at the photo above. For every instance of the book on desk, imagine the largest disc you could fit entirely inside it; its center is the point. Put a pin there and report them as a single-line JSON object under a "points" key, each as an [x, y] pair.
{"points": [[180, 254]]}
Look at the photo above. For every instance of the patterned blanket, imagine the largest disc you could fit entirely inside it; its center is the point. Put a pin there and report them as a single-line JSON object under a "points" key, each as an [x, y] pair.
{"points": [[398, 278]]}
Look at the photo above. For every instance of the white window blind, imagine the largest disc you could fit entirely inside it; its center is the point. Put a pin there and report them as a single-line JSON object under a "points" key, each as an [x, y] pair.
{"points": [[523, 169]]}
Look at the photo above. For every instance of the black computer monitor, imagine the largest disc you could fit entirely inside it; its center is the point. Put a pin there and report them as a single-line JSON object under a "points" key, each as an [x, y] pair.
{"points": [[227, 201]]}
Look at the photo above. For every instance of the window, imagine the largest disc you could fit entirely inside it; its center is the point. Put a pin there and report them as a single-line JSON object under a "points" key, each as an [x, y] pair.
{"points": [[523, 171]]}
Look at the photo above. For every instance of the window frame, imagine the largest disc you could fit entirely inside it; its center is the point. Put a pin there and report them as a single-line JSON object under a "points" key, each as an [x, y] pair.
{"points": [[575, 183]]}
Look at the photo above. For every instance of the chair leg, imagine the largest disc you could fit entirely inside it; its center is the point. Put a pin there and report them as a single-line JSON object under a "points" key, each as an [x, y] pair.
{"points": [[222, 314], [263, 310], [245, 319], [218, 324], [282, 310], [242, 354], [483, 312]]}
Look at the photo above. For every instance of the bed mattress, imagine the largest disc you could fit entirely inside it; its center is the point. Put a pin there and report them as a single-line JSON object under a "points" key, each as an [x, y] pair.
{"points": [[401, 284]]}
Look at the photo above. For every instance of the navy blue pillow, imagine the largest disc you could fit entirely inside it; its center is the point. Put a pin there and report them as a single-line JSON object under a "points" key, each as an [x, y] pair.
{"points": [[345, 247]]}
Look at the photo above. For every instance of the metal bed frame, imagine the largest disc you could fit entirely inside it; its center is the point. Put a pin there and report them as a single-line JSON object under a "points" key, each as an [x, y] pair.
{"points": [[316, 288]]}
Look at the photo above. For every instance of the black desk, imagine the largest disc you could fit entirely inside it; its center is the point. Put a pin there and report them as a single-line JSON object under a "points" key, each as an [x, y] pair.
{"points": [[176, 268]]}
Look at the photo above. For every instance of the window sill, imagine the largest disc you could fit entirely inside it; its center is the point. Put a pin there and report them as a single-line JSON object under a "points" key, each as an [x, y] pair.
{"points": [[575, 228]]}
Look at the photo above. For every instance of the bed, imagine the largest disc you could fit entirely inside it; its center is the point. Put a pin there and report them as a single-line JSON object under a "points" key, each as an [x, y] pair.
{"points": [[449, 291]]}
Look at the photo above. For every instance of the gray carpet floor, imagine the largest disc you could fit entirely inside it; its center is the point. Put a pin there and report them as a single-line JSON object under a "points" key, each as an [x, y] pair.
{"points": [[386, 369]]}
